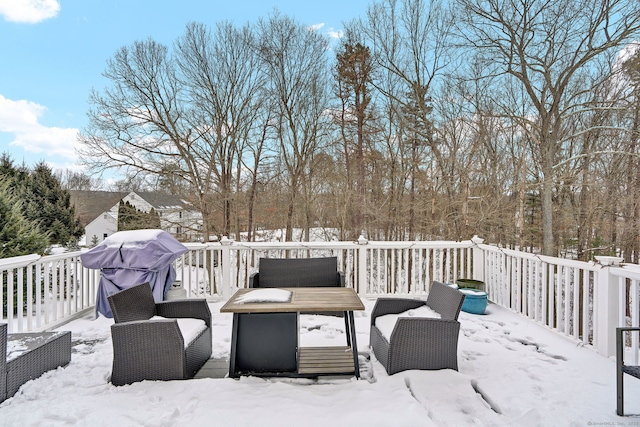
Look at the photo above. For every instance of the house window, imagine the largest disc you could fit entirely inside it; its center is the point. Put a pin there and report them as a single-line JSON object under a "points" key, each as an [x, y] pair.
{"points": [[105, 216], [180, 214], [104, 236]]}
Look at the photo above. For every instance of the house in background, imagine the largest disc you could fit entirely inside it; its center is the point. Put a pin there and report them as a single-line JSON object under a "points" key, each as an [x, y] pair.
{"points": [[100, 228], [177, 217], [98, 213]]}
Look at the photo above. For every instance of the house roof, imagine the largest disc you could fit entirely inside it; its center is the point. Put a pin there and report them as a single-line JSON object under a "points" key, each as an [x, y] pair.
{"points": [[91, 204], [163, 200]]}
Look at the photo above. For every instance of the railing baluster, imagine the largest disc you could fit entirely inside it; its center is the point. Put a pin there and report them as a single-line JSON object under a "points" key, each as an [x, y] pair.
{"points": [[29, 280], [10, 303], [560, 294], [20, 299], [575, 285]]}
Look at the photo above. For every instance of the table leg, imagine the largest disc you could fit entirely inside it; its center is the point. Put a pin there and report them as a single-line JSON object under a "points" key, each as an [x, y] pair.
{"points": [[234, 345], [354, 345], [346, 328]]}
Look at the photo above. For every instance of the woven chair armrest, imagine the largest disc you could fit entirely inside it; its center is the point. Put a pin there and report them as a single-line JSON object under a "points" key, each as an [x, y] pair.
{"points": [[147, 349], [424, 344], [254, 280], [341, 278], [3, 344], [385, 306], [160, 333], [424, 329], [192, 308], [3, 362]]}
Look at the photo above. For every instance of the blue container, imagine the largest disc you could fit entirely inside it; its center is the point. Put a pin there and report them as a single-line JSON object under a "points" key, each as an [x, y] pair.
{"points": [[475, 301]]}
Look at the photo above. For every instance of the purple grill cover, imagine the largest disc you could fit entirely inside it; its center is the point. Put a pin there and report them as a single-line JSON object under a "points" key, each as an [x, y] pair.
{"points": [[128, 258]]}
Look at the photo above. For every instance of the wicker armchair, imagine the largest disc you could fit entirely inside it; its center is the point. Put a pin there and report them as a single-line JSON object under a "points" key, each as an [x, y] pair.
{"points": [[419, 343], [621, 367], [155, 349]]}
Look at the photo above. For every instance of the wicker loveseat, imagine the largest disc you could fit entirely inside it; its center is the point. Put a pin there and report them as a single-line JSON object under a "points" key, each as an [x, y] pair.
{"points": [[296, 272], [419, 343], [148, 348]]}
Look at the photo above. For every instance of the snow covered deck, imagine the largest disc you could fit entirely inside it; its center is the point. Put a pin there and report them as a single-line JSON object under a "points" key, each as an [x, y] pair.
{"points": [[513, 372]]}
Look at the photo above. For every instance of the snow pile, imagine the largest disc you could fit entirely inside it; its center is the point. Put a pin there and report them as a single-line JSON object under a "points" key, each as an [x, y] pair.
{"points": [[512, 373]]}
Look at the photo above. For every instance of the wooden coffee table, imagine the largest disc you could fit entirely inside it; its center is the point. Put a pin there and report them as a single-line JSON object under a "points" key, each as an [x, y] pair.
{"points": [[265, 335]]}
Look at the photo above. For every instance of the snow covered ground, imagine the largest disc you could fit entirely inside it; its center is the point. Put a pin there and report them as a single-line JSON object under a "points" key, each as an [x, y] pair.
{"points": [[513, 372]]}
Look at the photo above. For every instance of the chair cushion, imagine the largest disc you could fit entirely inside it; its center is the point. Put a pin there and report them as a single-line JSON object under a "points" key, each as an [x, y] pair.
{"points": [[189, 328], [387, 323]]}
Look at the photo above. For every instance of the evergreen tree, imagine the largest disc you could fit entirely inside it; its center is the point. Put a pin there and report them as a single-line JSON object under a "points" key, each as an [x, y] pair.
{"points": [[153, 219], [18, 235], [50, 204], [131, 218]]}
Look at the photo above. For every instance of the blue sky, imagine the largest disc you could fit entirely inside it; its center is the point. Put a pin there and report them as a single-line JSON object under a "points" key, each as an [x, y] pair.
{"points": [[54, 51]]}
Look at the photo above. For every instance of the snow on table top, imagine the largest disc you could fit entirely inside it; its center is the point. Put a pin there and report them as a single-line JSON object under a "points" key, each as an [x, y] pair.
{"points": [[265, 295]]}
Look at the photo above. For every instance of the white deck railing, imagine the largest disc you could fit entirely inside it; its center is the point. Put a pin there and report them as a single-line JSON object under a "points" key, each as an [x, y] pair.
{"points": [[583, 301]]}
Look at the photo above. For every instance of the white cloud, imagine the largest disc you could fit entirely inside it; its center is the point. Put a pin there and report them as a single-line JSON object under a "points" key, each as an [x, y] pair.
{"points": [[21, 119], [28, 11], [335, 34], [625, 54], [316, 27]]}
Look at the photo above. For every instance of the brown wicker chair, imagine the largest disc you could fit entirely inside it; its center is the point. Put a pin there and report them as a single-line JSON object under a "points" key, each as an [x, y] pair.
{"points": [[419, 343], [145, 349]]}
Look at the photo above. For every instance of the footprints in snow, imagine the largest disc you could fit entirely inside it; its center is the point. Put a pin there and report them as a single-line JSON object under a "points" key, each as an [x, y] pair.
{"points": [[498, 334]]}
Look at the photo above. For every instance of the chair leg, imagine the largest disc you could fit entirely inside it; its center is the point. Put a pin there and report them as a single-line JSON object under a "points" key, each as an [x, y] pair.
{"points": [[620, 389], [619, 372]]}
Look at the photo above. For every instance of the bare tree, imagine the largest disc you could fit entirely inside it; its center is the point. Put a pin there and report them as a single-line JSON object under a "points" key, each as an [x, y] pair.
{"points": [[138, 125], [547, 46], [77, 180], [177, 117], [295, 62], [222, 84], [408, 40]]}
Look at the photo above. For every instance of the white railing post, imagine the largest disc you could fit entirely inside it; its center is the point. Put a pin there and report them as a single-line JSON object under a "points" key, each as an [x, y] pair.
{"points": [[362, 264], [478, 259], [607, 306], [225, 243]]}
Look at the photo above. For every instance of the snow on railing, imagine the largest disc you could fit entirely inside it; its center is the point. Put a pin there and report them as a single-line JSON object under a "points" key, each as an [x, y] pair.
{"points": [[625, 290], [372, 268], [583, 301], [556, 292], [41, 292]]}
